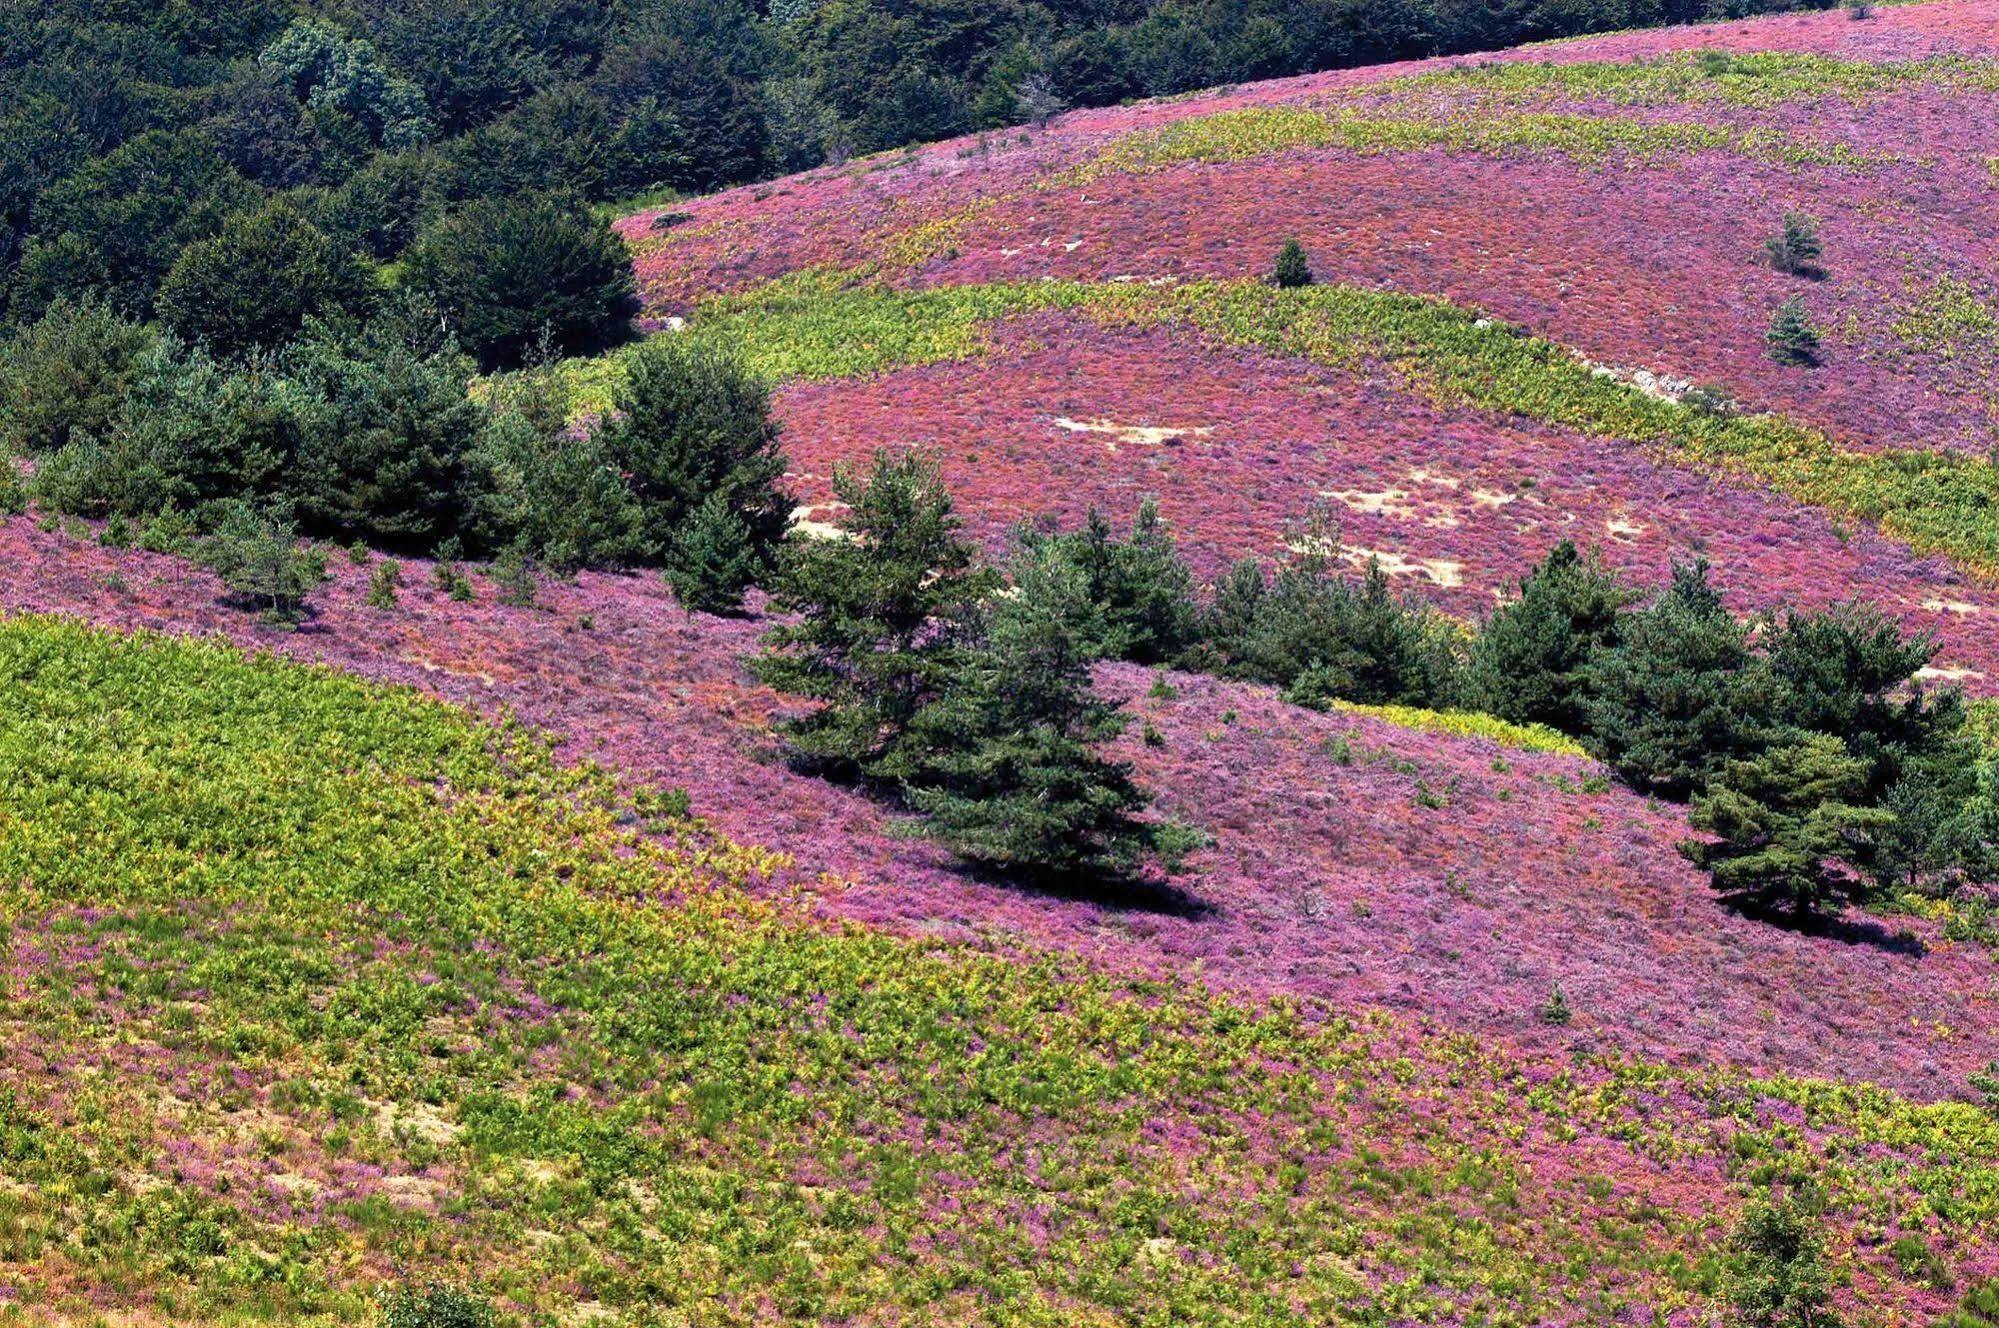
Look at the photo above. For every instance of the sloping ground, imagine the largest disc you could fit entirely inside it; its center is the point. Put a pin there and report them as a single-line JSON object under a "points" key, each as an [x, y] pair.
{"points": [[1616, 208], [1353, 860], [312, 985], [1060, 414]]}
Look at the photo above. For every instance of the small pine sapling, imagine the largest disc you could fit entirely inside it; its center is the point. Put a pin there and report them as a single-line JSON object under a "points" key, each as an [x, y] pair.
{"points": [[1792, 338], [1293, 270], [1795, 249]]}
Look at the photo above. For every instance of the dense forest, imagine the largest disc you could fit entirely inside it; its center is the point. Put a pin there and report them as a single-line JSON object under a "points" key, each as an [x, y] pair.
{"points": [[131, 130]]}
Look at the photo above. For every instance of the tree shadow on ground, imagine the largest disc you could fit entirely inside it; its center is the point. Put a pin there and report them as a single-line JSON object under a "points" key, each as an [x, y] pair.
{"points": [[1123, 894]]}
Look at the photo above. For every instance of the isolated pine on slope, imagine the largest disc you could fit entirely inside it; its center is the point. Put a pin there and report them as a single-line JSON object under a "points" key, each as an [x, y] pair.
{"points": [[882, 616], [1006, 767], [1783, 819]]}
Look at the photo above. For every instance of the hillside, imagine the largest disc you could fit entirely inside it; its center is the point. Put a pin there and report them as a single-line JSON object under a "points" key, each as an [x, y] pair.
{"points": [[1611, 195], [329, 980]]}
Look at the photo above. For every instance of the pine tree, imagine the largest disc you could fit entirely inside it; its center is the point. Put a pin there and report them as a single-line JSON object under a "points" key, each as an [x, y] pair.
{"points": [[692, 424], [714, 559], [882, 616], [1850, 672], [1292, 270], [1782, 819], [1140, 589], [1322, 637], [262, 565], [1792, 338], [1527, 665], [1006, 769], [1679, 694], [1795, 249]]}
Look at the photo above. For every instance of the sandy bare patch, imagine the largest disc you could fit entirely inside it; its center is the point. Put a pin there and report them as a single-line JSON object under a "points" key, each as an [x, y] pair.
{"points": [[1624, 529], [429, 665], [1941, 673], [1138, 435], [1662, 387], [820, 521], [1445, 572], [421, 1119], [1398, 503], [1955, 606], [409, 1191]]}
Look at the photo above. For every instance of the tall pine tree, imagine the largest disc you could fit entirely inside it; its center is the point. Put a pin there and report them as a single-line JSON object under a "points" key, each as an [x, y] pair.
{"points": [[882, 618], [1790, 827], [1680, 694], [1007, 769], [1527, 665]]}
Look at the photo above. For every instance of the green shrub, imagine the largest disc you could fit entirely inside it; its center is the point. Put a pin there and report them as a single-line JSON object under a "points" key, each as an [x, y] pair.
{"points": [[436, 1305], [693, 428], [514, 577], [1324, 637], [1528, 663], [517, 274], [554, 490], [1792, 338], [1795, 248], [1292, 270], [1679, 694], [1004, 764], [881, 616], [1980, 1308], [67, 374], [254, 286], [1778, 1277], [714, 557], [387, 431], [1791, 827], [1139, 590], [382, 584], [262, 564]]}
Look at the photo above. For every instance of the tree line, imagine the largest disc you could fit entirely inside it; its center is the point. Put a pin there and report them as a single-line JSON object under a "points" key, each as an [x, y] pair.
{"points": [[363, 429], [1819, 766], [379, 138]]}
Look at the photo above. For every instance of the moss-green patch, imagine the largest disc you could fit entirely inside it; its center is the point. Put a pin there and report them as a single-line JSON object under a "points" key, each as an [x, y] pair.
{"points": [[1469, 724], [1754, 79], [1260, 131]]}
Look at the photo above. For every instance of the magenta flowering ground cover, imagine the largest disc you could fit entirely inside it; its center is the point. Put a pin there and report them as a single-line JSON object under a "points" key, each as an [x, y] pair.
{"points": [[1638, 253], [310, 986], [1239, 446], [1329, 875]]}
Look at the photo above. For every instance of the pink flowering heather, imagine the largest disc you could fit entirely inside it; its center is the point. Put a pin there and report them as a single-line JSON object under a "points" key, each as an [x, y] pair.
{"points": [[1641, 257], [1330, 874], [1238, 446]]}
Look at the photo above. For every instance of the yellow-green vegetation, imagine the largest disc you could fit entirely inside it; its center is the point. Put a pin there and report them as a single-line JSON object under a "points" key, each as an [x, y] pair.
{"points": [[1554, 108], [283, 945], [1259, 131], [1753, 79], [1469, 724], [1947, 317], [820, 326]]}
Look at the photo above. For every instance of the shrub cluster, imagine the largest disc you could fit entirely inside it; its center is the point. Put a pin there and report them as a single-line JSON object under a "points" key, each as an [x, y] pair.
{"points": [[1808, 745], [1819, 765], [972, 708], [364, 430]]}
